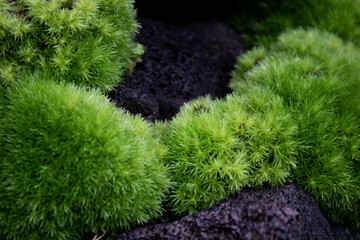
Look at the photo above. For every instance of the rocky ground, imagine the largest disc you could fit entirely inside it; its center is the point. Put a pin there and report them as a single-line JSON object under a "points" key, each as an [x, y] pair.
{"points": [[181, 63], [184, 60], [268, 213]]}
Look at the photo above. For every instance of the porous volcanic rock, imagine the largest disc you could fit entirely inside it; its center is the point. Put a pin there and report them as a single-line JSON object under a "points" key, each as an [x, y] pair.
{"points": [[181, 62], [267, 213]]}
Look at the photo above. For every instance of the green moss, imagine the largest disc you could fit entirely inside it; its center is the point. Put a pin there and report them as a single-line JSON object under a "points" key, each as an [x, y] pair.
{"points": [[89, 42], [3, 101], [218, 147], [261, 22], [317, 76], [73, 164]]}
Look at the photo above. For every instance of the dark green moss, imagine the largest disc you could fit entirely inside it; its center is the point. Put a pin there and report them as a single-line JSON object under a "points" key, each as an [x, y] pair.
{"points": [[261, 22]]}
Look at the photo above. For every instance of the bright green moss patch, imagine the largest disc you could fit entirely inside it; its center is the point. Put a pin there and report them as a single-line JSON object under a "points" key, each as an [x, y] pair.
{"points": [[89, 42], [218, 147], [73, 164], [317, 76], [261, 22], [294, 116]]}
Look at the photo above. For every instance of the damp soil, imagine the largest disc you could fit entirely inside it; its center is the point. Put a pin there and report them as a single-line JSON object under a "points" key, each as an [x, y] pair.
{"points": [[183, 61]]}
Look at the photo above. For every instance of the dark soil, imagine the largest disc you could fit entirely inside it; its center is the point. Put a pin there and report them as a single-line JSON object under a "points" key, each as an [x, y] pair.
{"points": [[181, 63]]}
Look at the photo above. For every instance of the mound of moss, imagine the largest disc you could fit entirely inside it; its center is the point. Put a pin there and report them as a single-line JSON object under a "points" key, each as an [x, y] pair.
{"points": [[73, 164], [89, 42], [316, 74], [261, 22], [294, 116], [218, 147]]}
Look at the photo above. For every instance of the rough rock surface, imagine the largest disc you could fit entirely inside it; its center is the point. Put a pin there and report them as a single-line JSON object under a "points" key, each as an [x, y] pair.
{"points": [[277, 213], [181, 62]]}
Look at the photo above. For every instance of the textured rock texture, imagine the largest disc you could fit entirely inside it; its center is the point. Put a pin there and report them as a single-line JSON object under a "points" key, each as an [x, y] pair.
{"points": [[181, 62], [277, 213]]}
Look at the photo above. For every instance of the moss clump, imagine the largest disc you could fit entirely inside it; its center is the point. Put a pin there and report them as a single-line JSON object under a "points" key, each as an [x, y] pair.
{"points": [[317, 75], [89, 42], [218, 147], [72, 164], [261, 22]]}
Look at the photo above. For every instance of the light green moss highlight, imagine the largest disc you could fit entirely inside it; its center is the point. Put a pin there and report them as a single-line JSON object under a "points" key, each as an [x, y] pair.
{"points": [[88, 42], [71, 163]]}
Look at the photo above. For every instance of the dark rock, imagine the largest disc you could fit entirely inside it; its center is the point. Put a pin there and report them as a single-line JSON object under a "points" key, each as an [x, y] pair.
{"points": [[181, 63], [276, 213], [186, 11]]}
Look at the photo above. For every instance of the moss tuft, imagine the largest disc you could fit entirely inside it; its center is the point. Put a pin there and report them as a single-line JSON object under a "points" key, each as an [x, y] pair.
{"points": [[73, 164], [218, 147], [88, 42], [316, 74]]}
